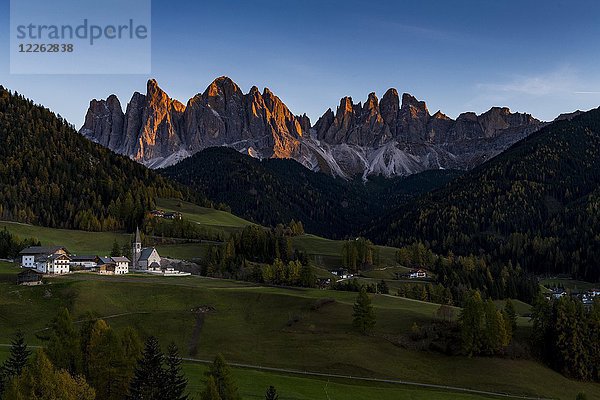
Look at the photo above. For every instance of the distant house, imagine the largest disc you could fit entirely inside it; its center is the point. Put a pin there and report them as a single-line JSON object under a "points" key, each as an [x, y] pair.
{"points": [[323, 283], [113, 265], [29, 277], [165, 215], [418, 274], [85, 262], [157, 213], [172, 215], [30, 254], [121, 265], [58, 264], [557, 293], [342, 273], [107, 269]]}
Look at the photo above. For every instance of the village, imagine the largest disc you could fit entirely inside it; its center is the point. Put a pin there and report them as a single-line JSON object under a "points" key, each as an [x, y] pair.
{"points": [[40, 261]]}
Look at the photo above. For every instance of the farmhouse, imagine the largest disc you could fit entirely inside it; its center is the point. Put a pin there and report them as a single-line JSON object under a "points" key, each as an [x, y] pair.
{"points": [[29, 277], [342, 273], [113, 265], [121, 265], [47, 260], [418, 274], [30, 254]]}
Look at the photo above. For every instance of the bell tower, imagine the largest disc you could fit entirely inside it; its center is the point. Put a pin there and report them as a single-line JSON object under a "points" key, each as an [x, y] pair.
{"points": [[137, 249]]}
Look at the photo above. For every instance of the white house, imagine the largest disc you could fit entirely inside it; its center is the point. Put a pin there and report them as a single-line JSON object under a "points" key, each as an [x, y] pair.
{"points": [[47, 260], [58, 264], [121, 265], [342, 273], [418, 274], [113, 265], [30, 254]]}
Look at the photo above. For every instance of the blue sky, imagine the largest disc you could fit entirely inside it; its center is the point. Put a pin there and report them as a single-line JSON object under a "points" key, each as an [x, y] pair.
{"points": [[539, 57]]}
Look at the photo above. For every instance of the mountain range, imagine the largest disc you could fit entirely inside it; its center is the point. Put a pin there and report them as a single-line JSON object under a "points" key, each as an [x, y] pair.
{"points": [[537, 205], [392, 137]]}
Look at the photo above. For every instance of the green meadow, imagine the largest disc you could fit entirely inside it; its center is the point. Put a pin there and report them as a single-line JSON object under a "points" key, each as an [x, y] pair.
{"points": [[275, 327]]}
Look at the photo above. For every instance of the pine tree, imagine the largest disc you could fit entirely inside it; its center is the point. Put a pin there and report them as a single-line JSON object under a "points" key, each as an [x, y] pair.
{"points": [[63, 348], [40, 380], [221, 373], [116, 249], [472, 320], [176, 382], [19, 354], [511, 313], [271, 394], [364, 315], [148, 381], [107, 369], [307, 276], [211, 392]]}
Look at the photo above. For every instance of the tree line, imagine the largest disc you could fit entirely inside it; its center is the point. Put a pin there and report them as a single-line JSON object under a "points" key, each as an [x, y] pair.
{"points": [[462, 274], [253, 245], [11, 245]]}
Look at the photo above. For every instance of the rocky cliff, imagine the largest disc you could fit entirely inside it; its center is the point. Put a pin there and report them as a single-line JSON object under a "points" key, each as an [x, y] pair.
{"points": [[388, 137]]}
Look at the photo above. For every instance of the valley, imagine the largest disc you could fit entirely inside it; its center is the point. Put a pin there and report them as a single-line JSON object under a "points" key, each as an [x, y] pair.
{"points": [[251, 325]]}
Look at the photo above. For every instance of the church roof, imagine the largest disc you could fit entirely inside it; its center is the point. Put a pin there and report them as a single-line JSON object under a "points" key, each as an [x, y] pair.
{"points": [[137, 235], [145, 253]]}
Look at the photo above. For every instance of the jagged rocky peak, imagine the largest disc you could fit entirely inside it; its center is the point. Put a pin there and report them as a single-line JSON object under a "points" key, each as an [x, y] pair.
{"points": [[158, 130], [104, 121], [394, 135], [410, 102]]}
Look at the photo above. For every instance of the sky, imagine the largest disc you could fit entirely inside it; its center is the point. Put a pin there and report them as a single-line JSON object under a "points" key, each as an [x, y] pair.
{"points": [[539, 57]]}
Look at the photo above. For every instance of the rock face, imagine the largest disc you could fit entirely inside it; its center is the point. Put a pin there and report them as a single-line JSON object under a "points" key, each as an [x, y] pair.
{"points": [[388, 137], [159, 131]]}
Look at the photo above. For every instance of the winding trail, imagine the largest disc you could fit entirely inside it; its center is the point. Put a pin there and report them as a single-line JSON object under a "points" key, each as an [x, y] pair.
{"points": [[376, 380]]}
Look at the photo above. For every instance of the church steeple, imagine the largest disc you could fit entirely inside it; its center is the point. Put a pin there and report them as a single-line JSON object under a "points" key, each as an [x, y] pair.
{"points": [[137, 249]]}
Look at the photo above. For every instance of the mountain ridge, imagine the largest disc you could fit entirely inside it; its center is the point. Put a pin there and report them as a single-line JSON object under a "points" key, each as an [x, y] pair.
{"points": [[396, 136], [535, 205]]}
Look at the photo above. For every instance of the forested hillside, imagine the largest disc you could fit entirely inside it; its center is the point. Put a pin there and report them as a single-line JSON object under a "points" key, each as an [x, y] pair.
{"points": [[52, 176], [274, 191], [537, 205]]}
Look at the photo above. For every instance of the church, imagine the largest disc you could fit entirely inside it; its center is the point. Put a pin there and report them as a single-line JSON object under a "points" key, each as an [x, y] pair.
{"points": [[144, 259]]}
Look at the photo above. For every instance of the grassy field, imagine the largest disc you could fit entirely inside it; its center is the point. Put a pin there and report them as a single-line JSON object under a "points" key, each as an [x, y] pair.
{"points": [[571, 284], [204, 216], [323, 252], [521, 307], [328, 252], [385, 272], [253, 383], [274, 327]]}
